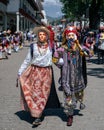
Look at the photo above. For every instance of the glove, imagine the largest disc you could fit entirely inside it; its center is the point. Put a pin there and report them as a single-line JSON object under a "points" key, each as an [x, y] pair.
{"points": [[61, 61]]}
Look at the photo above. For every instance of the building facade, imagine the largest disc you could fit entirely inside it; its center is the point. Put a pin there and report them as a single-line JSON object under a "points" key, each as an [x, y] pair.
{"points": [[20, 15], [3, 13]]}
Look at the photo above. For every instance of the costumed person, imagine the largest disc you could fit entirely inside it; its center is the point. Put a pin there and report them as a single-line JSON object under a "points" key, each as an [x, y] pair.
{"points": [[35, 75], [9, 37], [69, 58], [4, 44], [101, 48], [89, 43]]}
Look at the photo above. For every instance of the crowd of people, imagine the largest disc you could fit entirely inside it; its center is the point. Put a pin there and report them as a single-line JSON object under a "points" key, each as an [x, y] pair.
{"points": [[10, 42], [92, 41]]}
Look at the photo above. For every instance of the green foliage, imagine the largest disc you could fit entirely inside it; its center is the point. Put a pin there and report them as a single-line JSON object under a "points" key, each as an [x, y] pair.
{"points": [[76, 8], [92, 9], [73, 8]]}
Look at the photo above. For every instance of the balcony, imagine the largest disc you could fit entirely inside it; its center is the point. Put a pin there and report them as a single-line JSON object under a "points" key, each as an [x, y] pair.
{"points": [[29, 16], [33, 4]]}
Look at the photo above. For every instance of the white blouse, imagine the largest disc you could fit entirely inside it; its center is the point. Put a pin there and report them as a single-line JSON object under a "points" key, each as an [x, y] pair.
{"points": [[41, 58]]}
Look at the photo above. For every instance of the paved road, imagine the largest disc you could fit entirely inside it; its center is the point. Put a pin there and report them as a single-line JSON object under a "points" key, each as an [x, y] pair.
{"points": [[12, 118]]}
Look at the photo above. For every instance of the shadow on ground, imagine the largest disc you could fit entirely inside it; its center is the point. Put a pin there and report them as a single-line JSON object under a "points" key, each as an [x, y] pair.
{"points": [[95, 61], [25, 116], [98, 72]]}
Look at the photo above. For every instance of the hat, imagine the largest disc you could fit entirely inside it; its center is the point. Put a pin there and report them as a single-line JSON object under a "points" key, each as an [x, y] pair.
{"points": [[91, 32], [101, 36], [71, 30], [36, 30]]}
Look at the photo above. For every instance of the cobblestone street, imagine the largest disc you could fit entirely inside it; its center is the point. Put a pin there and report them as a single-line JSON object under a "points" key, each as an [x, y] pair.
{"points": [[12, 118]]}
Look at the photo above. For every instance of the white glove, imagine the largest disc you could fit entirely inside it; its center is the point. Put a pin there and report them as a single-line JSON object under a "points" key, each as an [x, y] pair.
{"points": [[61, 61]]}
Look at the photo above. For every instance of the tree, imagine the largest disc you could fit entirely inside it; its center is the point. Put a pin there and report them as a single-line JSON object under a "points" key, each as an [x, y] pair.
{"points": [[90, 8], [94, 14], [71, 8]]}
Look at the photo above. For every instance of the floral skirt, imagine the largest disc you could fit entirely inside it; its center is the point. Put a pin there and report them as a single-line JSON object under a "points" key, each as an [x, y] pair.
{"points": [[35, 89]]}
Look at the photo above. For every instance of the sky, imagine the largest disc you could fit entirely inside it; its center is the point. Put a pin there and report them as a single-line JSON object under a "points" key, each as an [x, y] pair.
{"points": [[52, 8]]}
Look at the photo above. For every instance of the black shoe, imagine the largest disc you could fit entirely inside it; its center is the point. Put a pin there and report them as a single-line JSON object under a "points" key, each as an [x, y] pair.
{"points": [[82, 106], [37, 122]]}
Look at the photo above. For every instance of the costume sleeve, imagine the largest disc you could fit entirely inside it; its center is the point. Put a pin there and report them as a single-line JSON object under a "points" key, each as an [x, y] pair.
{"points": [[25, 63], [58, 57]]}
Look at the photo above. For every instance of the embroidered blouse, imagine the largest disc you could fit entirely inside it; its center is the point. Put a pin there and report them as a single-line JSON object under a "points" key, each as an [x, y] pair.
{"points": [[41, 58]]}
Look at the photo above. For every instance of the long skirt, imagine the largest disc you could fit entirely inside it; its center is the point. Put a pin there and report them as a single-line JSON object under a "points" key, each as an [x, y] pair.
{"points": [[35, 89]]}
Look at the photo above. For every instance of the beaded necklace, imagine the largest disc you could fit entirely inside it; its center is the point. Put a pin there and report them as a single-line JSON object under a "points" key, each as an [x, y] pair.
{"points": [[42, 49], [71, 51]]}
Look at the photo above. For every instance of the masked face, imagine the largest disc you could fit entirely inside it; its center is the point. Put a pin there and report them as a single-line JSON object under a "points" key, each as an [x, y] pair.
{"points": [[71, 36], [42, 36]]}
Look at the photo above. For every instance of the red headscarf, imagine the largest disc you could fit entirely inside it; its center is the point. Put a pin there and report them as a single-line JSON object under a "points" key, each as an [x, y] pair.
{"points": [[51, 36], [71, 30]]}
